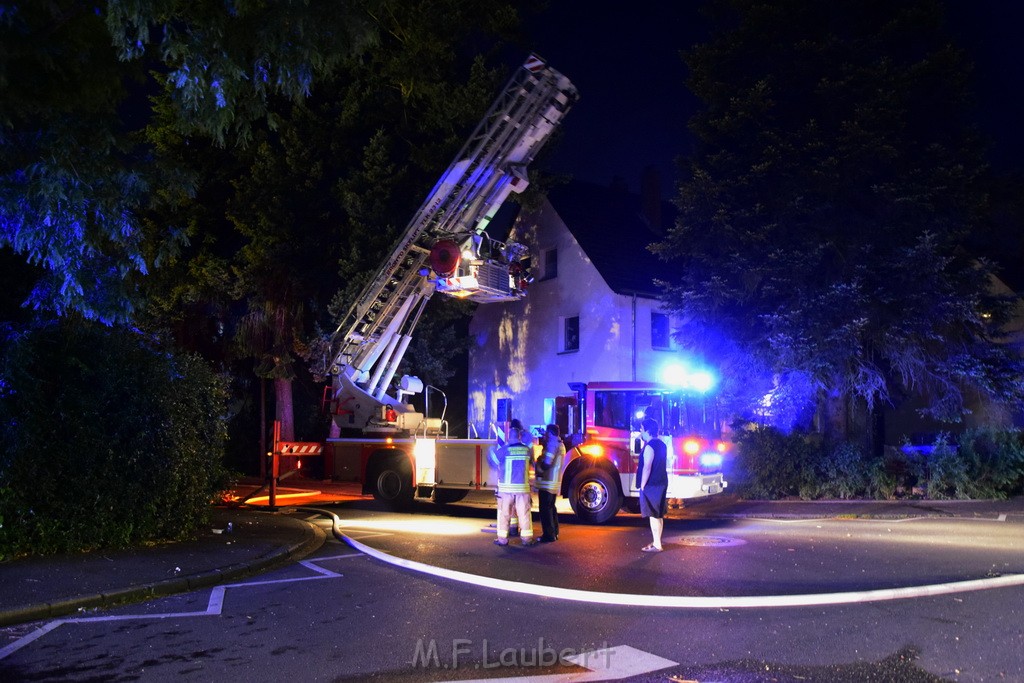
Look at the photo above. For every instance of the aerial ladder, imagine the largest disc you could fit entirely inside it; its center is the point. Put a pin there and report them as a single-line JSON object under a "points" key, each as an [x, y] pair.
{"points": [[445, 248]]}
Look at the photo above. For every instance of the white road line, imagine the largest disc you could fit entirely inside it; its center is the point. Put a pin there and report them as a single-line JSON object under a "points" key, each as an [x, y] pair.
{"points": [[214, 605], [695, 602], [26, 639]]}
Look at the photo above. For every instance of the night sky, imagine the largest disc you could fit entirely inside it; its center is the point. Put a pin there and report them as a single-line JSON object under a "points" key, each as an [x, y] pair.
{"points": [[634, 104]]}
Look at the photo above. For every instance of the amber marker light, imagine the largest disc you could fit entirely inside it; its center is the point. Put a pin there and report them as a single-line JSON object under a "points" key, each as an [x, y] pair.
{"points": [[691, 447]]}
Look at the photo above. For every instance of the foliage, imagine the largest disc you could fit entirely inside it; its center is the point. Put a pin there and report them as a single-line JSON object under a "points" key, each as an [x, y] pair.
{"points": [[947, 475], [68, 193], [74, 181], [982, 463], [772, 464], [224, 61], [842, 472], [995, 459], [109, 441], [828, 220]]}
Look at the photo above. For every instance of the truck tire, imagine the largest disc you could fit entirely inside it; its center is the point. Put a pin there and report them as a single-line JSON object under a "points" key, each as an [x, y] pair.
{"points": [[392, 483], [594, 496], [446, 496]]}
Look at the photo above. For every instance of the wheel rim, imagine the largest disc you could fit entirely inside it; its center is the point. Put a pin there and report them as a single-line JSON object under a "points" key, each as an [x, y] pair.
{"points": [[389, 484], [592, 496]]}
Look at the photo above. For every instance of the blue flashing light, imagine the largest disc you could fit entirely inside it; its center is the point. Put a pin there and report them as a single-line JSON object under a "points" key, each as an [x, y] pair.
{"points": [[684, 377], [702, 381], [711, 460]]}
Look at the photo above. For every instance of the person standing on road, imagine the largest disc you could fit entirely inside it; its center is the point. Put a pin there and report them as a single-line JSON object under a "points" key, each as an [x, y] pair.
{"points": [[513, 461], [653, 472], [549, 476]]}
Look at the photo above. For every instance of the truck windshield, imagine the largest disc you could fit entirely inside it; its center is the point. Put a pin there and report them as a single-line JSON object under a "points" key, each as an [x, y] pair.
{"points": [[678, 413]]}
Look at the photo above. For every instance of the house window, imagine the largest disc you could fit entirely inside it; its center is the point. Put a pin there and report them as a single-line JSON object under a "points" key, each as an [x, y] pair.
{"points": [[570, 334], [550, 261], [660, 336]]}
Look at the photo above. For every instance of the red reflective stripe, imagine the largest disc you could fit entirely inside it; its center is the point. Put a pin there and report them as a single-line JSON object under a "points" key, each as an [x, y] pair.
{"points": [[534, 64]]}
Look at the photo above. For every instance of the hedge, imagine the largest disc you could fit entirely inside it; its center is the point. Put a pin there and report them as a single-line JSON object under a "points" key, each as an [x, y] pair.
{"points": [[109, 441]]}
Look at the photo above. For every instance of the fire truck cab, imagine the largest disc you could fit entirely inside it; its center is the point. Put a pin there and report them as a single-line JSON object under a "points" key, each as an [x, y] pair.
{"points": [[603, 445]]}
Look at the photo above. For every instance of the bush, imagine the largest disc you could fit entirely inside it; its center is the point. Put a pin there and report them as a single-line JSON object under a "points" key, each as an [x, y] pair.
{"points": [[947, 472], [987, 464], [108, 443], [770, 464], [843, 472]]}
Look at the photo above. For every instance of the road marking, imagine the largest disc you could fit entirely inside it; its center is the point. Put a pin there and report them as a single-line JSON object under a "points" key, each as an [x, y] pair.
{"points": [[693, 602], [214, 605], [606, 664]]}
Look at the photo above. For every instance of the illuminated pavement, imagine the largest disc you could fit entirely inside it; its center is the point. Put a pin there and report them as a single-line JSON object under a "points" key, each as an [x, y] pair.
{"points": [[736, 555], [721, 553]]}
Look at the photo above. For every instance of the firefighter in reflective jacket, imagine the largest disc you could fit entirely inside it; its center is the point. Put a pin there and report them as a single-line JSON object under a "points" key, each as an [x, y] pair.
{"points": [[513, 462]]}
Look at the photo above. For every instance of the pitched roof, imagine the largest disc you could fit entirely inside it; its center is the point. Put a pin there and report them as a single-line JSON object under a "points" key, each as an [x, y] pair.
{"points": [[611, 227]]}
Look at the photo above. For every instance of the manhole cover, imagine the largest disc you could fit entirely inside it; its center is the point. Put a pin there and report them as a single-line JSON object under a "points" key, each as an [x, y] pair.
{"points": [[708, 541]]}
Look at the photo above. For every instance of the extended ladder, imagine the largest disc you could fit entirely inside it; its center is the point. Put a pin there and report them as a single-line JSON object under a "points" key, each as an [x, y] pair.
{"points": [[371, 338]]}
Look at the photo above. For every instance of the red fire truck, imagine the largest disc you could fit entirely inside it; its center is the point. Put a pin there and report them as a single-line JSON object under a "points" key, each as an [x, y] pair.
{"points": [[600, 472], [599, 475]]}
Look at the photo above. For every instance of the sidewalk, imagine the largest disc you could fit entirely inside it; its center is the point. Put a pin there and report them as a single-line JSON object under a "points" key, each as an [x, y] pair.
{"points": [[49, 587], [37, 588]]}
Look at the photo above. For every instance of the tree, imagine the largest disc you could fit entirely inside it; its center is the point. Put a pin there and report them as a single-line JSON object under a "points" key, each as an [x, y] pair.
{"points": [[315, 201], [73, 183], [827, 217]]}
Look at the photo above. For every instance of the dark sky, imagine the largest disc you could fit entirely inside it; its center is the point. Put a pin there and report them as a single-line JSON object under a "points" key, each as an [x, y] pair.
{"points": [[634, 104]]}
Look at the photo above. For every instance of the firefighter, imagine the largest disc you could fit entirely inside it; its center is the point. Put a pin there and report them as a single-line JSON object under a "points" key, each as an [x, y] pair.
{"points": [[549, 471], [513, 462]]}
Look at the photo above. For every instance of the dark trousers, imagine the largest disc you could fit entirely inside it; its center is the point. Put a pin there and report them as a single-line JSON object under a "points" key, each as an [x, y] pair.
{"points": [[548, 516]]}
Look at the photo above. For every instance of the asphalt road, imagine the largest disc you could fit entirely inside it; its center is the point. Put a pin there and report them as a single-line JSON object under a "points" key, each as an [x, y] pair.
{"points": [[874, 612]]}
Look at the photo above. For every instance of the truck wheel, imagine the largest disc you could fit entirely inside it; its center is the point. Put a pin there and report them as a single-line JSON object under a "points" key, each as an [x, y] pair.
{"points": [[392, 484], [445, 496], [594, 496]]}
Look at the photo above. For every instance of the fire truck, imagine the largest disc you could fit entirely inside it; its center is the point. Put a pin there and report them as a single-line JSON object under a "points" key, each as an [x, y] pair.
{"points": [[400, 454], [600, 471]]}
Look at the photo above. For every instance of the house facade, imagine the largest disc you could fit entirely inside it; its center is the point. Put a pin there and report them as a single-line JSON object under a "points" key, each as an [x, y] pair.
{"points": [[591, 313]]}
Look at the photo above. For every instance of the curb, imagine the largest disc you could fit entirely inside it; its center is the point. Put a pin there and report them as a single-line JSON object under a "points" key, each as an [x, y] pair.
{"points": [[182, 584]]}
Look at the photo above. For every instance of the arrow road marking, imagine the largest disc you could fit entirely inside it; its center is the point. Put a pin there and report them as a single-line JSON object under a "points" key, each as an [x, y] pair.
{"points": [[606, 664]]}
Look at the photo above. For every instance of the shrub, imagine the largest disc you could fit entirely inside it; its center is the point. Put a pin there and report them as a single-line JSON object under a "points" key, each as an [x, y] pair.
{"points": [[770, 464], [947, 472], [843, 472], [109, 442], [993, 462]]}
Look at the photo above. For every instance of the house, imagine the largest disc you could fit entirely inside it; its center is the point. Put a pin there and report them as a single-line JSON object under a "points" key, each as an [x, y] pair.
{"points": [[590, 314]]}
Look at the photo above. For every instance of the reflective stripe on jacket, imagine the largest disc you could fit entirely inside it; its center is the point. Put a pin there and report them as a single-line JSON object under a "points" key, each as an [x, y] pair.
{"points": [[550, 474], [513, 465]]}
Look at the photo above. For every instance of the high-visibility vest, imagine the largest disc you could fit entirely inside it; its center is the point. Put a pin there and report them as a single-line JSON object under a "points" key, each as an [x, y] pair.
{"points": [[514, 462]]}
